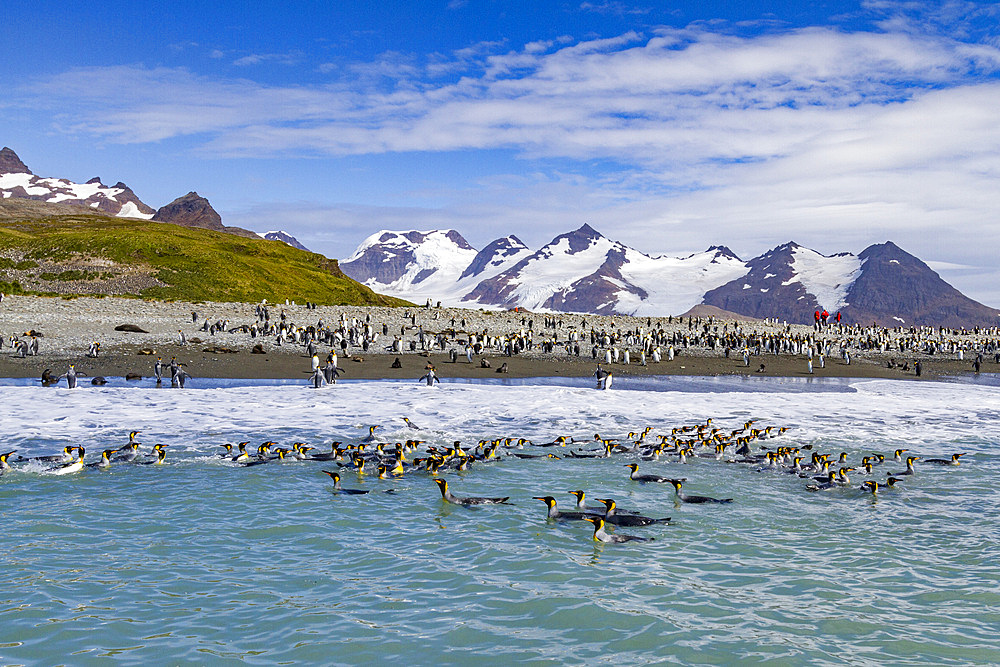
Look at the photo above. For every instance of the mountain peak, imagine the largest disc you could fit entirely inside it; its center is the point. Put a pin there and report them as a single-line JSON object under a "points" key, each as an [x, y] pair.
{"points": [[722, 251], [11, 164], [191, 210], [284, 237]]}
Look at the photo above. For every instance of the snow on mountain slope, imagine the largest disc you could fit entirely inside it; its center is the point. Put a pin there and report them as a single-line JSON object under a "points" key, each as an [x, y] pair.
{"points": [[826, 278], [118, 200], [496, 257], [284, 237], [535, 281], [676, 284], [414, 265], [129, 210], [583, 271]]}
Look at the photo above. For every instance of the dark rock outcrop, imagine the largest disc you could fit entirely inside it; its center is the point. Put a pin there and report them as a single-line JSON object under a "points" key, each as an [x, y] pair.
{"points": [[193, 210], [11, 164]]}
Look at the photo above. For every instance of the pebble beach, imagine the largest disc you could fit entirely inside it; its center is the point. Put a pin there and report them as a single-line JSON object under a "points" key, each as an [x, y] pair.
{"points": [[69, 326]]}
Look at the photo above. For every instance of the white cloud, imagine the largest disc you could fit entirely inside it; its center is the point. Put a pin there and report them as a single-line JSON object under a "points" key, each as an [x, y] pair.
{"points": [[832, 138], [290, 58]]}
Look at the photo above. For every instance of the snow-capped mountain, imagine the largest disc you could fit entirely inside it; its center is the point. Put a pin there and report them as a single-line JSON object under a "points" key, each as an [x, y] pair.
{"points": [[436, 265], [790, 279], [580, 271], [284, 237], [191, 210], [583, 271], [17, 181]]}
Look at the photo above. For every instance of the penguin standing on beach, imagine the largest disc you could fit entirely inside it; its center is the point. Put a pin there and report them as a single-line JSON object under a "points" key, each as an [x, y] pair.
{"points": [[331, 371], [158, 370]]}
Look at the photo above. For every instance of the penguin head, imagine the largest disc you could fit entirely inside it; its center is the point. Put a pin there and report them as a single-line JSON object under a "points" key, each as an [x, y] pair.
{"points": [[608, 503], [632, 466], [548, 500]]}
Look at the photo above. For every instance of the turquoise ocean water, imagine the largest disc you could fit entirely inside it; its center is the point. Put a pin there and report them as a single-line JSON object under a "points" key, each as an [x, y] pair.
{"points": [[199, 561]]}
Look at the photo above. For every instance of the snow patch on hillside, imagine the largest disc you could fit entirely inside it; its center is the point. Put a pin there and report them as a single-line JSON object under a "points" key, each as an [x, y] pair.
{"points": [[674, 284], [826, 278]]}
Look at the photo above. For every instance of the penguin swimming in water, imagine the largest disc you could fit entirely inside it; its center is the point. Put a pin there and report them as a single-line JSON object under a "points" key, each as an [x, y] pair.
{"points": [[642, 479], [909, 467], [339, 489], [76, 465], [105, 461], [470, 500], [555, 513], [4, 466], [161, 456], [953, 461], [685, 498], [612, 517], [600, 535]]}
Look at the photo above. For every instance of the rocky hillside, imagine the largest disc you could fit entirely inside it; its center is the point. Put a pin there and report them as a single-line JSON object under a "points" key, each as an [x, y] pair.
{"points": [[95, 254], [18, 183]]}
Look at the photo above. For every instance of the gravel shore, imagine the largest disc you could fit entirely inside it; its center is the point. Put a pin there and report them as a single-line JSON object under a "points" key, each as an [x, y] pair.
{"points": [[69, 326]]}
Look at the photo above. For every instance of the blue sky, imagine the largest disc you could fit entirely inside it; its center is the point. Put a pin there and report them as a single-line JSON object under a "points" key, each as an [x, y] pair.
{"points": [[669, 126]]}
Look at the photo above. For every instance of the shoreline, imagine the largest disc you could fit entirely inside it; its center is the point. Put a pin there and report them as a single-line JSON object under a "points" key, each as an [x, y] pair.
{"points": [[68, 326]]}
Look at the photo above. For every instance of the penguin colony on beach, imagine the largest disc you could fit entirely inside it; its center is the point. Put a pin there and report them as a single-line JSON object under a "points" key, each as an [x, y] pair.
{"points": [[372, 457]]}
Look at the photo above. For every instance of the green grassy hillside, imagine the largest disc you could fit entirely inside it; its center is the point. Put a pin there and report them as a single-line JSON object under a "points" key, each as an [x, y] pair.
{"points": [[92, 254]]}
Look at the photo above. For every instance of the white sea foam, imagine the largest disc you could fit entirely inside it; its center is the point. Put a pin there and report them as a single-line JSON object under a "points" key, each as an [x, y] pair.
{"points": [[876, 414]]}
